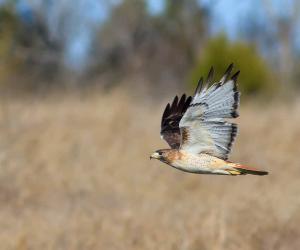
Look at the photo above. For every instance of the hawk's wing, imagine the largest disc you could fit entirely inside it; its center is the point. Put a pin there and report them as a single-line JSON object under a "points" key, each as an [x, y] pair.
{"points": [[203, 126], [170, 120]]}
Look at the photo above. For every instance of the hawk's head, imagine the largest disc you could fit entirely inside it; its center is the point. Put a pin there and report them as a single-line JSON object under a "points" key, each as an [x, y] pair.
{"points": [[165, 155]]}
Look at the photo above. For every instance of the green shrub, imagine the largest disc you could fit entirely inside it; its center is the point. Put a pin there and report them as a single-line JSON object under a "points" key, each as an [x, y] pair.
{"points": [[219, 53]]}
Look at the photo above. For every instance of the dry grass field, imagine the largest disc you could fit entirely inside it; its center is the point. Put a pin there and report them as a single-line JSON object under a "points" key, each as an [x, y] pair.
{"points": [[75, 174]]}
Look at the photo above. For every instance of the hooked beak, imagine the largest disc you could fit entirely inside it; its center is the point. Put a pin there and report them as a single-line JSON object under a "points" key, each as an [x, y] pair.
{"points": [[155, 155]]}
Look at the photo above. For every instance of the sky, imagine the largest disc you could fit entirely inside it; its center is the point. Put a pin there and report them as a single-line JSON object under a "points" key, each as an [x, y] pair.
{"points": [[155, 6]]}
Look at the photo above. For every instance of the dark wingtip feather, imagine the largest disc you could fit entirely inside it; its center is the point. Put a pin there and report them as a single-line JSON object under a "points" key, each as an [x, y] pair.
{"points": [[175, 101], [182, 99], [187, 103], [189, 100], [174, 104], [227, 73], [229, 69], [199, 86], [181, 103], [235, 76], [210, 76]]}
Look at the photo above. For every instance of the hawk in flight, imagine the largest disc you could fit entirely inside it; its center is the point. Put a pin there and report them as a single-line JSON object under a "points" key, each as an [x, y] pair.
{"points": [[197, 132]]}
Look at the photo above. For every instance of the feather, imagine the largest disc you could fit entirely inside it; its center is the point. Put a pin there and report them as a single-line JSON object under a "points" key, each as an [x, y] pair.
{"points": [[210, 76], [235, 76], [227, 73], [174, 104], [199, 86]]}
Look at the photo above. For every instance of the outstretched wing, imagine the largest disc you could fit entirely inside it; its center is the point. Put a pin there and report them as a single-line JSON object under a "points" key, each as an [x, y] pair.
{"points": [[203, 126], [170, 120]]}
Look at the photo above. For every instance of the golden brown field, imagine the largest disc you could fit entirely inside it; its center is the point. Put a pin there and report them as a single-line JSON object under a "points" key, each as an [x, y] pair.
{"points": [[75, 174]]}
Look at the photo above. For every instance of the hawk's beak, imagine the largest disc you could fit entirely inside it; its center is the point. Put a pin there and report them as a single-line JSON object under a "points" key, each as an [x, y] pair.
{"points": [[155, 155]]}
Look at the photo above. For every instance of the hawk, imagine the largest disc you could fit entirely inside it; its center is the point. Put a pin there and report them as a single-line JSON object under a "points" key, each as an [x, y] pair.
{"points": [[197, 131]]}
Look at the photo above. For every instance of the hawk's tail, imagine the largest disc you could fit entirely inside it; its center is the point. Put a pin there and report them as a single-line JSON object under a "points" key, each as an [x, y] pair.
{"points": [[239, 169]]}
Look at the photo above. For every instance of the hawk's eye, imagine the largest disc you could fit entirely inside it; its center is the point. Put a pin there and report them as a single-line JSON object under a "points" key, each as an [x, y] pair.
{"points": [[160, 153]]}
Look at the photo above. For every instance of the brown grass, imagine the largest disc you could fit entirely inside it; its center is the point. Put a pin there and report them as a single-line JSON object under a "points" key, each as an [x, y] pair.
{"points": [[75, 174]]}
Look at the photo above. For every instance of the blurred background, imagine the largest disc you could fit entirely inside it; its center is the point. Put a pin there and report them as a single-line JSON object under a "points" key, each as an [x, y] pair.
{"points": [[83, 84]]}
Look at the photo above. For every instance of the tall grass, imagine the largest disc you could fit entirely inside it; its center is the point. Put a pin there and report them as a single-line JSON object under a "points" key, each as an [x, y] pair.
{"points": [[75, 174]]}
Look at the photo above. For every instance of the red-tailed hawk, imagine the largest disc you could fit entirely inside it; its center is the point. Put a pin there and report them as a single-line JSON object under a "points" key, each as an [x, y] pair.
{"points": [[197, 132]]}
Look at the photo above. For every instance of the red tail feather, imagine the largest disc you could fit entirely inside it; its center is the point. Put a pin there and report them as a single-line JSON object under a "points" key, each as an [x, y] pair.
{"points": [[247, 170]]}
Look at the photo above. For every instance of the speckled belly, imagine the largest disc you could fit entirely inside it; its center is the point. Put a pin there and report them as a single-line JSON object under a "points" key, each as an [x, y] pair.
{"points": [[202, 164]]}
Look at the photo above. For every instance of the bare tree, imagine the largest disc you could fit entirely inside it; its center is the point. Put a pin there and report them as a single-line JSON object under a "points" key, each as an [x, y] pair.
{"points": [[285, 26]]}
